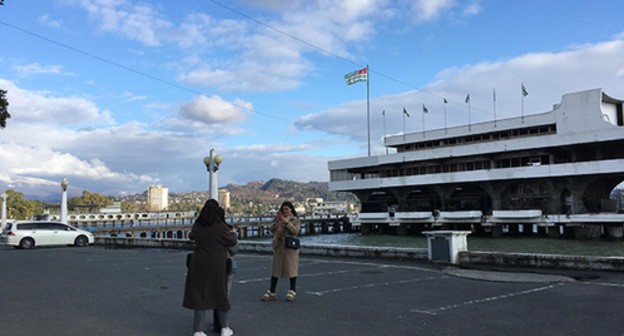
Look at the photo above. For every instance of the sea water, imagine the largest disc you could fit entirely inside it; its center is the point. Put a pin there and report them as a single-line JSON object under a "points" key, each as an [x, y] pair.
{"points": [[486, 244]]}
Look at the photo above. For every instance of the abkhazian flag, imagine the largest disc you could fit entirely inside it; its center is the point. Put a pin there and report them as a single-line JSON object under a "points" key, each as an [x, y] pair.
{"points": [[356, 76], [524, 91], [405, 112], [425, 110], [468, 98]]}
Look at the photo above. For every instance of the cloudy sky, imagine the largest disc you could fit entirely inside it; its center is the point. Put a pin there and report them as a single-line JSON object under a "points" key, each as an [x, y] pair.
{"points": [[117, 95]]}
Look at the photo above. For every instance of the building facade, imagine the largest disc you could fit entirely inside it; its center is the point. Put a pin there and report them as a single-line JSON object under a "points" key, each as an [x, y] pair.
{"points": [[157, 198], [565, 161]]}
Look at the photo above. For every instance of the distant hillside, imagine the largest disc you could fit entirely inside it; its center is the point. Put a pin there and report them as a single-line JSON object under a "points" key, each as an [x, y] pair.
{"points": [[253, 197], [276, 190]]}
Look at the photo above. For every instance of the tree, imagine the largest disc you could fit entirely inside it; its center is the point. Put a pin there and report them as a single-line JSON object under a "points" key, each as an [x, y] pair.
{"points": [[89, 202], [18, 208], [4, 106]]}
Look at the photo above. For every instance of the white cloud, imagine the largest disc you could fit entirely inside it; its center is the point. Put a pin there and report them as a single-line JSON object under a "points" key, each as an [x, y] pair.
{"points": [[215, 110], [547, 76], [46, 20], [140, 22], [428, 10], [39, 107], [472, 9], [36, 68]]}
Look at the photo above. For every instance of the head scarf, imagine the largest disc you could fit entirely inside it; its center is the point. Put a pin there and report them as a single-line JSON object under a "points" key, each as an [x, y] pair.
{"points": [[209, 213]]}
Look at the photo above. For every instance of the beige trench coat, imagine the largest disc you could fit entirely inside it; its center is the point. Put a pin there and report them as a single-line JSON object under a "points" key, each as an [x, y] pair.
{"points": [[285, 261]]}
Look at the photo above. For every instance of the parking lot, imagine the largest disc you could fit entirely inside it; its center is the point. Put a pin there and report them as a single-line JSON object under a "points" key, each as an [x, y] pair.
{"points": [[97, 291]]}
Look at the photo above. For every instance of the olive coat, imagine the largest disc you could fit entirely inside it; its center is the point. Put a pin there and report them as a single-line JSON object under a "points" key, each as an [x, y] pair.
{"points": [[206, 279], [285, 260]]}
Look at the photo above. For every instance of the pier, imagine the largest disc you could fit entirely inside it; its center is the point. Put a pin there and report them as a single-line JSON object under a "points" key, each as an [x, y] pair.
{"points": [[177, 225]]}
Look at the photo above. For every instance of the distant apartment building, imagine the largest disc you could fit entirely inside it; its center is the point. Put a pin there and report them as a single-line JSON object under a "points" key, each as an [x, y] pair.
{"points": [[224, 199], [157, 198]]}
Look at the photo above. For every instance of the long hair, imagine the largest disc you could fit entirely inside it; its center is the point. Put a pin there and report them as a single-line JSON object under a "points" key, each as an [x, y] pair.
{"points": [[290, 205], [209, 213]]}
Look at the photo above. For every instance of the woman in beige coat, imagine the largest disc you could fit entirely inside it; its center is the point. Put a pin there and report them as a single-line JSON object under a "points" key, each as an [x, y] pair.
{"points": [[285, 260]]}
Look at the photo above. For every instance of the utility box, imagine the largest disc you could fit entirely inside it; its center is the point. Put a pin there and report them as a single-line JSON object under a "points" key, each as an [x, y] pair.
{"points": [[444, 246]]}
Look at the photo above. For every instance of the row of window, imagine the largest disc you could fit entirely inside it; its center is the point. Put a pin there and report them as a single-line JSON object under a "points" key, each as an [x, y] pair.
{"points": [[483, 137]]}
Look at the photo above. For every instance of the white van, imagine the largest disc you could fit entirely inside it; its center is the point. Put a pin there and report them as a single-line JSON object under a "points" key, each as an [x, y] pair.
{"points": [[27, 235]]}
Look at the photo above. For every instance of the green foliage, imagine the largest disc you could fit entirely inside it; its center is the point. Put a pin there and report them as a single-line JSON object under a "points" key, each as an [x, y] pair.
{"points": [[20, 209], [89, 202], [4, 108]]}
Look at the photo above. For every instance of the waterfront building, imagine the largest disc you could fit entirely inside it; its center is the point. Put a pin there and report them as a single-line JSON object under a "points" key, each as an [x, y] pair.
{"points": [[224, 199], [547, 169], [157, 198], [318, 206], [115, 208]]}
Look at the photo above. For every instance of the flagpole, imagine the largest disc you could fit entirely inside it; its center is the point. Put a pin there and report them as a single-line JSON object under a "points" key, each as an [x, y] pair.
{"points": [[444, 102], [522, 108], [383, 113], [423, 120], [494, 104], [404, 123], [368, 108], [469, 112]]}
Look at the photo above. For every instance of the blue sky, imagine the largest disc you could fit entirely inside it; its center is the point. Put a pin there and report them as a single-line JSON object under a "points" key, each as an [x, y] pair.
{"points": [[116, 95]]}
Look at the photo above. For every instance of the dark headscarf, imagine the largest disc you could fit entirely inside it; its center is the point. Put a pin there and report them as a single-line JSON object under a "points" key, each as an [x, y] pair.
{"points": [[290, 205], [209, 213]]}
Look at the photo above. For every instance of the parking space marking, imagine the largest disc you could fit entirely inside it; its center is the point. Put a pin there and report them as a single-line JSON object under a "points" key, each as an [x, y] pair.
{"points": [[300, 276], [435, 311], [606, 284], [371, 285]]}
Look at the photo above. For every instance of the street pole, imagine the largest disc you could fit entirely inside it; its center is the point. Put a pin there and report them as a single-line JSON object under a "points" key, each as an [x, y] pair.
{"points": [[64, 185], [212, 163], [4, 210]]}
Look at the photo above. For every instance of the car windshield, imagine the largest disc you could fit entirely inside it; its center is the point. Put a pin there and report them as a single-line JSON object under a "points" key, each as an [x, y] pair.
{"points": [[7, 228]]}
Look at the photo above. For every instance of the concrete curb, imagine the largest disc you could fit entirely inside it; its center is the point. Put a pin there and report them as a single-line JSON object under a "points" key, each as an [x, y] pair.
{"points": [[531, 260], [506, 276], [465, 259]]}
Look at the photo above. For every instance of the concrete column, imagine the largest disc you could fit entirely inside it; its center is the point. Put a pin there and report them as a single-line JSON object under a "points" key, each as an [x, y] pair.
{"points": [[615, 231], [212, 163], [64, 185], [497, 231], [402, 230], [4, 210]]}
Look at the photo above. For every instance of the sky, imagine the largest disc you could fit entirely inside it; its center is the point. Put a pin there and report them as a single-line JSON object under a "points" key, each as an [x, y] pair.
{"points": [[117, 95]]}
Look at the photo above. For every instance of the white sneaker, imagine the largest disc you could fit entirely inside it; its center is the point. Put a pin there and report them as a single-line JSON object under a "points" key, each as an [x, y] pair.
{"points": [[199, 333], [227, 332]]}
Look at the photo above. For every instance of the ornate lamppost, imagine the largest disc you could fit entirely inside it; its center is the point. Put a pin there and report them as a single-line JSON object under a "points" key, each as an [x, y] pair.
{"points": [[64, 185], [212, 163], [4, 210]]}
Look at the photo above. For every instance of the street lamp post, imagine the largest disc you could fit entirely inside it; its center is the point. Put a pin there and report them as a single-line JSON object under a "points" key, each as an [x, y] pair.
{"points": [[212, 163], [4, 210], [64, 185]]}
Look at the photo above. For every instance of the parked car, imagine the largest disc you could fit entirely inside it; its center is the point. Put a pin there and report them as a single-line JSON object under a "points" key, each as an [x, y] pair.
{"points": [[27, 235]]}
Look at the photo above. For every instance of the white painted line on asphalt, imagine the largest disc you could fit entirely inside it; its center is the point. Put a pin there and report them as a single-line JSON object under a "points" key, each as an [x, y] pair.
{"points": [[343, 289], [435, 311], [607, 284], [379, 265], [300, 276]]}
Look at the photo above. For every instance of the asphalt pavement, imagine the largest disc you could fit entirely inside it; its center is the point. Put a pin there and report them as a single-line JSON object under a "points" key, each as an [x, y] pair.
{"points": [[98, 291]]}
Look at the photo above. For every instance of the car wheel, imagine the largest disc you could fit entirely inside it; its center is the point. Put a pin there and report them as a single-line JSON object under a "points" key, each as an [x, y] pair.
{"points": [[81, 241], [27, 243]]}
